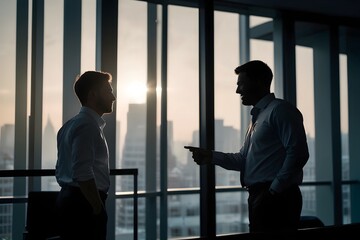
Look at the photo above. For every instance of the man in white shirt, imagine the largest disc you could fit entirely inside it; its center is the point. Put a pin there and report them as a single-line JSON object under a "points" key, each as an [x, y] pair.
{"points": [[82, 167], [272, 158]]}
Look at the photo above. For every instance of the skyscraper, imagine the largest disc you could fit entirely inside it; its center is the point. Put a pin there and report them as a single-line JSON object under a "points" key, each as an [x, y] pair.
{"points": [[7, 133]]}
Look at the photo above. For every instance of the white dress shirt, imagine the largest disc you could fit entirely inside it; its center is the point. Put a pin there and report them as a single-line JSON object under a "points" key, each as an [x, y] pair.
{"points": [[277, 149], [83, 151]]}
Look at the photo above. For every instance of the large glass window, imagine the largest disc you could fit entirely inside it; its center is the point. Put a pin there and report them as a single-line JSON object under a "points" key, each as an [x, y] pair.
{"points": [[183, 94], [140, 49], [259, 48], [305, 103], [226, 100], [227, 118], [349, 85], [131, 110], [7, 81], [349, 95], [183, 117], [314, 81], [88, 35], [344, 119], [7, 106], [52, 86]]}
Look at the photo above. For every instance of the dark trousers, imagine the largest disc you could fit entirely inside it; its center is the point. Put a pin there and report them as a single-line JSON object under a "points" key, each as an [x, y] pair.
{"points": [[77, 220], [279, 212]]}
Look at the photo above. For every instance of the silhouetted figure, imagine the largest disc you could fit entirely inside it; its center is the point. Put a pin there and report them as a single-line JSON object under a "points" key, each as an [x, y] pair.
{"points": [[82, 168], [272, 158]]}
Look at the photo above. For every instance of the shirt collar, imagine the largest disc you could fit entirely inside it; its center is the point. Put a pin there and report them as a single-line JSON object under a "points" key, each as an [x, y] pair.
{"points": [[100, 121], [265, 101]]}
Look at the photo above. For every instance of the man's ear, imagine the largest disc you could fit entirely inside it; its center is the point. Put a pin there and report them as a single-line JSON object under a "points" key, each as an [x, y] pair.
{"points": [[92, 94]]}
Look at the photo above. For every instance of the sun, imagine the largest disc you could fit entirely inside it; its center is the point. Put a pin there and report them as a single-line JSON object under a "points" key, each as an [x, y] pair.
{"points": [[136, 92]]}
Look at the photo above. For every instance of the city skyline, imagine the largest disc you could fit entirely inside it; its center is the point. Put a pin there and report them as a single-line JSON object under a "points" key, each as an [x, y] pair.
{"points": [[187, 176]]}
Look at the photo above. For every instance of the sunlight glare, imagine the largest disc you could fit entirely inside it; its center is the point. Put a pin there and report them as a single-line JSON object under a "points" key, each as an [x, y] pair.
{"points": [[136, 92]]}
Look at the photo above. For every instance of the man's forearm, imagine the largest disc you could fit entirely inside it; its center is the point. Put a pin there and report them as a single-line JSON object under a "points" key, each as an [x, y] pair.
{"points": [[91, 193]]}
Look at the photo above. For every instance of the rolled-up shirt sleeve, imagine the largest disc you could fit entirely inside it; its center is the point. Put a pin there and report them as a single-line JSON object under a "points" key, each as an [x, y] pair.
{"points": [[229, 161]]}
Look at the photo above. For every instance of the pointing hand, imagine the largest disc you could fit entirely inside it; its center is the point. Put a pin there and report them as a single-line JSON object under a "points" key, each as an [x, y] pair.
{"points": [[200, 155]]}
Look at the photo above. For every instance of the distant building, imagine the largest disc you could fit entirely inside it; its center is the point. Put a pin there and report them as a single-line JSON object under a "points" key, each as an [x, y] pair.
{"points": [[7, 140], [49, 156], [7, 133]]}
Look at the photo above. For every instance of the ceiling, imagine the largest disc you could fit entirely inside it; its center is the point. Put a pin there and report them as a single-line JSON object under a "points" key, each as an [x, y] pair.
{"points": [[349, 9]]}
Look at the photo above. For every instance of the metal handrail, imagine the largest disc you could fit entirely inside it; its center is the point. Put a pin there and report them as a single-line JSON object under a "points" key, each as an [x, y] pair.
{"points": [[51, 172]]}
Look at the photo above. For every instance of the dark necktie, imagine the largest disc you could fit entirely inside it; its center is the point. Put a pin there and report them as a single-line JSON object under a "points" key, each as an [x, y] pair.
{"points": [[254, 113]]}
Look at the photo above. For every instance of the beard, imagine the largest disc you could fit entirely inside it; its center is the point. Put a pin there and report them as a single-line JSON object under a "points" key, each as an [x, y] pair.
{"points": [[246, 101], [105, 106]]}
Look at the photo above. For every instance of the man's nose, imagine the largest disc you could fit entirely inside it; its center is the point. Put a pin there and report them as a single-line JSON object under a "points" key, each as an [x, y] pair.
{"points": [[238, 90]]}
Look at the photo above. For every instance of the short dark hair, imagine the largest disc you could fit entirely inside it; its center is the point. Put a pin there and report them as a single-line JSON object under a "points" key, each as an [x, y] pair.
{"points": [[256, 70], [88, 81]]}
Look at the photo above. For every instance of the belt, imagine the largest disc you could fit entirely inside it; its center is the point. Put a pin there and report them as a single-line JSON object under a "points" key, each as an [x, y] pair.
{"points": [[258, 186]]}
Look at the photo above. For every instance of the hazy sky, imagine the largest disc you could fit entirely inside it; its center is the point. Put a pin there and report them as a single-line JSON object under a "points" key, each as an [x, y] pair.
{"points": [[132, 63], [7, 60]]}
